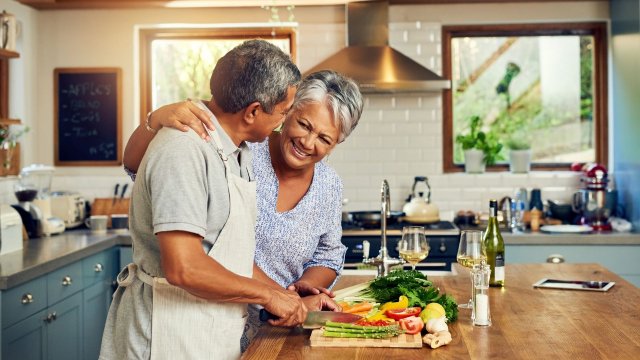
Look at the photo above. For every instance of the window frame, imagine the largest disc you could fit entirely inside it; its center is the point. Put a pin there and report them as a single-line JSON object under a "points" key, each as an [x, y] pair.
{"points": [[600, 86], [148, 35]]}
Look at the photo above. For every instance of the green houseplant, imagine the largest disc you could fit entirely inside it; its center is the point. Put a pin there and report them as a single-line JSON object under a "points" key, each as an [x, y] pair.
{"points": [[479, 148], [519, 154]]}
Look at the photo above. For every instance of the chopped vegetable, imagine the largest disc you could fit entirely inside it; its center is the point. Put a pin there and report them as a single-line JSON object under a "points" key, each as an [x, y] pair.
{"points": [[412, 284], [358, 308], [412, 325], [366, 322], [402, 303], [403, 313]]}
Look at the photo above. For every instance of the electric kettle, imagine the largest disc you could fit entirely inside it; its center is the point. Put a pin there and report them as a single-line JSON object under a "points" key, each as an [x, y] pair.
{"points": [[419, 209]]}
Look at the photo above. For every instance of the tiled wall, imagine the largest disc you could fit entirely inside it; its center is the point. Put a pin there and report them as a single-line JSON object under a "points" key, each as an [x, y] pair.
{"points": [[400, 136]]}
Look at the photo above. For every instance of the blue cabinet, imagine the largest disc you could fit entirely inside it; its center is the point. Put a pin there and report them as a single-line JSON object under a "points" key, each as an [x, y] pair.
{"points": [[60, 315], [64, 329], [27, 339]]}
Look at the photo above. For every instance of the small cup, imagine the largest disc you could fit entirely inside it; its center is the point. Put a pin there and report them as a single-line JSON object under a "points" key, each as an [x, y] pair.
{"points": [[120, 223], [97, 223]]}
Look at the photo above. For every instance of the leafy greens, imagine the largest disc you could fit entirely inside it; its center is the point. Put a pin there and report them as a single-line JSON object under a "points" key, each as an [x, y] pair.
{"points": [[414, 285]]}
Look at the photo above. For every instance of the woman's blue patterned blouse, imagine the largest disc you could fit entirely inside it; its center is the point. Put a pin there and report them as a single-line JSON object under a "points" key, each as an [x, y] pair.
{"points": [[287, 243]]}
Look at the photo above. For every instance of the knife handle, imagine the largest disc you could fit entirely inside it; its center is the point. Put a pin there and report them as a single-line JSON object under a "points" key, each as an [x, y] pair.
{"points": [[265, 315]]}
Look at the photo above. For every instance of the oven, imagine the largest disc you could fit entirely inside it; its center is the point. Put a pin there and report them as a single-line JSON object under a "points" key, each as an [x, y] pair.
{"points": [[443, 239]]}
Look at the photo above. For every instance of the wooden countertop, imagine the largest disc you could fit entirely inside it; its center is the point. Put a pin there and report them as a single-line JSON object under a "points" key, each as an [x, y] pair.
{"points": [[526, 322]]}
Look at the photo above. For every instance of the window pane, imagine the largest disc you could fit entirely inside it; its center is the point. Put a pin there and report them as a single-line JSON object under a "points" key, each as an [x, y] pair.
{"points": [[534, 89], [181, 68]]}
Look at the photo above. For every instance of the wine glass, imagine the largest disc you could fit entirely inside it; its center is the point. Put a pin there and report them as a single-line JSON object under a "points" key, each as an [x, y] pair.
{"points": [[471, 251], [413, 246]]}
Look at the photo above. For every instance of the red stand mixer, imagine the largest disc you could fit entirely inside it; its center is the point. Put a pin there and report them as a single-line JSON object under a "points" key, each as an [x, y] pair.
{"points": [[594, 202]]}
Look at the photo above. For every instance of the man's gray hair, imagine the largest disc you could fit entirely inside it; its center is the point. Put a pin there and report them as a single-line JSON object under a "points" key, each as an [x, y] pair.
{"points": [[340, 93], [255, 70]]}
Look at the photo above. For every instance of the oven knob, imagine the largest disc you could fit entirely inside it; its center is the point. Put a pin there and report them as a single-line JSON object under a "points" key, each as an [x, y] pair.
{"points": [[443, 247]]}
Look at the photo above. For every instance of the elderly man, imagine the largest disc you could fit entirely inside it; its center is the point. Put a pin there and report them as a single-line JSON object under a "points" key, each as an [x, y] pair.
{"points": [[177, 301]]}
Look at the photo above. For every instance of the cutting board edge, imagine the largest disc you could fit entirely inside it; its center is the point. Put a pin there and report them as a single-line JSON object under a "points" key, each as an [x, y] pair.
{"points": [[337, 342]]}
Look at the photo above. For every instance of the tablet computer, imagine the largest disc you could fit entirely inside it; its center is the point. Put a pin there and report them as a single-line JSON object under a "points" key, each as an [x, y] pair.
{"points": [[574, 285]]}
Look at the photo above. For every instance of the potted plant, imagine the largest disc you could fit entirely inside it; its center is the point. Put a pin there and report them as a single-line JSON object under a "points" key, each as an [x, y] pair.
{"points": [[9, 136], [480, 148], [519, 155]]}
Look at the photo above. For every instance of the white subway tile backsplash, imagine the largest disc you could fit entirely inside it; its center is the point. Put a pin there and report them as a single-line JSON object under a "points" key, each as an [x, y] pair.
{"points": [[379, 102], [396, 115], [409, 25], [408, 102]]}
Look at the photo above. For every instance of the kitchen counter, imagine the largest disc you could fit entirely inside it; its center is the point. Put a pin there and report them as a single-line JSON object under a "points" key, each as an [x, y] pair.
{"points": [[525, 321], [42, 255]]}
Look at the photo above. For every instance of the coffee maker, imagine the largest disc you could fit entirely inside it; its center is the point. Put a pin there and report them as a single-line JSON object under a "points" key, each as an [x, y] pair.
{"points": [[594, 202], [34, 202]]}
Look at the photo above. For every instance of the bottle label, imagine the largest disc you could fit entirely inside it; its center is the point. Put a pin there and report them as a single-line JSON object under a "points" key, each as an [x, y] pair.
{"points": [[499, 275]]}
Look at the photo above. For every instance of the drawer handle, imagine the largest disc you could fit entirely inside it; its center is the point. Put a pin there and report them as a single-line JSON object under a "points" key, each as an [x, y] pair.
{"points": [[66, 281], [555, 259], [27, 298], [51, 317], [98, 267]]}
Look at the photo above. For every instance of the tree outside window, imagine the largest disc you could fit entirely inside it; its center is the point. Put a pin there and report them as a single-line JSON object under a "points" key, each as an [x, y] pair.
{"points": [[176, 64]]}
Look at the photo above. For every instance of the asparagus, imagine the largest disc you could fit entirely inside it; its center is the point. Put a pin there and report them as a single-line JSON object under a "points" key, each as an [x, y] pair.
{"points": [[357, 335], [361, 327]]}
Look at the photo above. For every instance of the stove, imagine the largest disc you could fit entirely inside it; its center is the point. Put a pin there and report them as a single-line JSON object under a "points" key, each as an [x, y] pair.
{"points": [[443, 238]]}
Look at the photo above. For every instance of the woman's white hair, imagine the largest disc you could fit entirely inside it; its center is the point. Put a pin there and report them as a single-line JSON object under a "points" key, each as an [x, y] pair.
{"points": [[340, 93]]}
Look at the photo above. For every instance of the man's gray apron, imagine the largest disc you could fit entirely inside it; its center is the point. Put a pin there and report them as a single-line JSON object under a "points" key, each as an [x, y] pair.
{"points": [[185, 326]]}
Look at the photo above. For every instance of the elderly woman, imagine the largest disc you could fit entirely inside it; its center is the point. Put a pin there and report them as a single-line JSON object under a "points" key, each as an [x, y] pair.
{"points": [[298, 230]]}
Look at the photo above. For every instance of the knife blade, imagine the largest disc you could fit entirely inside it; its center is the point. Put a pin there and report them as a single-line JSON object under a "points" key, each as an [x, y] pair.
{"points": [[317, 319]]}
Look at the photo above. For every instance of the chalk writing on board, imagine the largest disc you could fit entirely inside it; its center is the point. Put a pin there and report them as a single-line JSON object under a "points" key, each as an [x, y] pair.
{"points": [[104, 150], [88, 115]]}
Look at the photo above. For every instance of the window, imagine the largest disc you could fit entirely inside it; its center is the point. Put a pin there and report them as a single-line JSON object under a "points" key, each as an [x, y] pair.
{"points": [[176, 64], [544, 85]]}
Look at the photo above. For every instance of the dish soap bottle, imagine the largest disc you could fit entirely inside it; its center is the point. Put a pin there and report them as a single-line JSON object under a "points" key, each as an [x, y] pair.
{"points": [[494, 246]]}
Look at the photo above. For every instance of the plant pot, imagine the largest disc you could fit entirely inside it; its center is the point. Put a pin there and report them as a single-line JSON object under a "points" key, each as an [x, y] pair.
{"points": [[520, 161], [474, 161]]}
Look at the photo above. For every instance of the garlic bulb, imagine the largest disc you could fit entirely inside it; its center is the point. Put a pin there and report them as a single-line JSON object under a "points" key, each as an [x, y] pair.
{"points": [[436, 325]]}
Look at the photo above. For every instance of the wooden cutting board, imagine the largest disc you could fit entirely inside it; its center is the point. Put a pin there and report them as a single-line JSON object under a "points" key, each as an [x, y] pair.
{"points": [[400, 341]]}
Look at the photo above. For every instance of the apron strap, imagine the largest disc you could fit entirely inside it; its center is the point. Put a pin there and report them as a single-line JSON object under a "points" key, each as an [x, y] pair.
{"points": [[130, 273]]}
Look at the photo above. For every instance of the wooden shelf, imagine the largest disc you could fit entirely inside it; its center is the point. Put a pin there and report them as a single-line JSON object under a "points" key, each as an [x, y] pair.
{"points": [[4, 121], [8, 54]]}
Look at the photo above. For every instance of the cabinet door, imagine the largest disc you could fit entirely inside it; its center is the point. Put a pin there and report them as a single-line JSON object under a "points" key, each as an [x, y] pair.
{"points": [[64, 333], [27, 339], [97, 299]]}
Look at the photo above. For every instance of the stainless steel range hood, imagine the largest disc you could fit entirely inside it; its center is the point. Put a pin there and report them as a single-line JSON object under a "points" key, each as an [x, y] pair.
{"points": [[370, 61]]}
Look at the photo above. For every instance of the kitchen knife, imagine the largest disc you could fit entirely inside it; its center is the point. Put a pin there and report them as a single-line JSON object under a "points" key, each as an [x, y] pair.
{"points": [[115, 194], [317, 319], [124, 190]]}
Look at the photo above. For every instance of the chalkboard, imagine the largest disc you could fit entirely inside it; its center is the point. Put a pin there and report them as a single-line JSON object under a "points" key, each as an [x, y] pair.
{"points": [[88, 121]]}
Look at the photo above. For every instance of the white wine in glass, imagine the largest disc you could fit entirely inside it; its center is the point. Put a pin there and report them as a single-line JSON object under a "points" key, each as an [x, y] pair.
{"points": [[468, 261], [413, 246], [471, 251]]}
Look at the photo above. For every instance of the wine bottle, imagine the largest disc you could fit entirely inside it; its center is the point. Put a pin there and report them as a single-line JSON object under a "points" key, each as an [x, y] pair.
{"points": [[494, 246]]}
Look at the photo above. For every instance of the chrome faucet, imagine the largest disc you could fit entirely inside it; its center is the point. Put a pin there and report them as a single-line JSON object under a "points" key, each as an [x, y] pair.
{"points": [[382, 261]]}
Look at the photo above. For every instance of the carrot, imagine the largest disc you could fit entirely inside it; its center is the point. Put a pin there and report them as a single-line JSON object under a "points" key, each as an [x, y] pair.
{"points": [[361, 307]]}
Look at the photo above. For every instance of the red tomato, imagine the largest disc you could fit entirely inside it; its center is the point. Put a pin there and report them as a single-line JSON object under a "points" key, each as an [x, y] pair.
{"points": [[412, 325], [398, 314]]}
